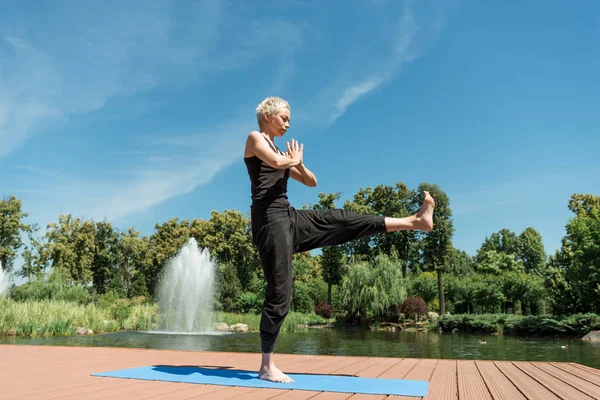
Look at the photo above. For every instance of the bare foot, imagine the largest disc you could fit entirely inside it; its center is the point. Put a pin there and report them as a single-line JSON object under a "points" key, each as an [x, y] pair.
{"points": [[424, 220], [273, 374]]}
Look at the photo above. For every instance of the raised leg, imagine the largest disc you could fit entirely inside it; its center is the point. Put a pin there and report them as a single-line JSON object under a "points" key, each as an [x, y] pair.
{"points": [[422, 221]]}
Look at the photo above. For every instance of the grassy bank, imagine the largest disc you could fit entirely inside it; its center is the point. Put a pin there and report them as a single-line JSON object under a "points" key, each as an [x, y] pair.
{"points": [[517, 325], [292, 323], [56, 317], [62, 318]]}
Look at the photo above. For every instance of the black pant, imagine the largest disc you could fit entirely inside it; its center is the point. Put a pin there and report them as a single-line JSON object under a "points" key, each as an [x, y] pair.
{"points": [[281, 231]]}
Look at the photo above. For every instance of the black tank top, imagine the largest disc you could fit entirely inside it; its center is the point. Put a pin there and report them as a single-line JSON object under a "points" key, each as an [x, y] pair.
{"points": [[268, 184]]}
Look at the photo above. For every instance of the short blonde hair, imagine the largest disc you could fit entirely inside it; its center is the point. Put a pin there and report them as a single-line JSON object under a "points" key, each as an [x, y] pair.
{"points": [[270, 106]]}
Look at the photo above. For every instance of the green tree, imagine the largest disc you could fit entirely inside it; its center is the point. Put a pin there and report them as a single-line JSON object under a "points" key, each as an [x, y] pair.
{"points": [[34, 265], [70, 246], [131, 262], [460, 263], [581, 251], [11, 229], [425, 286], [531, 251], [228, 286], [228, 238], [496, 262], [104, 257], [504, 241], [437, 244], [368, 291]]}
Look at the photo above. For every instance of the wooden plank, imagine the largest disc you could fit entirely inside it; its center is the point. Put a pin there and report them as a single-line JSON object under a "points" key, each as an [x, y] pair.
{"points": [[192, 392], [400, 369], [422, 371], [331, 396], [471, 385], [65, 372], [370, 397], [529, 387], [296, 395], [582, 373], [376, 370], [444, 384], [500, 387], [332, 368], [356, 369], [586, 368], [560, 388], [262, 394], [172, 390], [582, 385]]}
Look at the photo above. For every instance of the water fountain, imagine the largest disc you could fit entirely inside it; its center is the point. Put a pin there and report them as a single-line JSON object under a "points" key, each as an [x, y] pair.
{"points": [[185, 292], [4, 284]]}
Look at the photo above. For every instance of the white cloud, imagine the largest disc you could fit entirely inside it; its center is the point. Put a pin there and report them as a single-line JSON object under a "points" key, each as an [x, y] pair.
{"points": [[52, 70], [406, 37]]}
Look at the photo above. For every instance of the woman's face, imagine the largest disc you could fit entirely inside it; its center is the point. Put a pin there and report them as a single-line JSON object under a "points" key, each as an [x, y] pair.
{"points": [[279, 122]]}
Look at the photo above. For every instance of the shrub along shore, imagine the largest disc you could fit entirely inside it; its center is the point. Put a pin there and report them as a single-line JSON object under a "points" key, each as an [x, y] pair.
{"points": [[63, 318]]}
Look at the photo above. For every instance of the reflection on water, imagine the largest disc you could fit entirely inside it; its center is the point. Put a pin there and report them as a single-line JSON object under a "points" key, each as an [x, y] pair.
{"points": [[351, 343]]}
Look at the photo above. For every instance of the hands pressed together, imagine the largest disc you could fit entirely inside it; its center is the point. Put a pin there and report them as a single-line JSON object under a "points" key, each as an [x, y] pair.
{"points": [[294, 151]]}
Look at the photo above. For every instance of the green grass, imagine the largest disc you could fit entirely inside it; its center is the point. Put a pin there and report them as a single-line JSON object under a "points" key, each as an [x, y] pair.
{"points": [[290, 324], [62, 318]]}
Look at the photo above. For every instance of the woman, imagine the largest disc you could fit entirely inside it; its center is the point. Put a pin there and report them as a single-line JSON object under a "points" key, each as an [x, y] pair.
{"points": [[279, 230]]}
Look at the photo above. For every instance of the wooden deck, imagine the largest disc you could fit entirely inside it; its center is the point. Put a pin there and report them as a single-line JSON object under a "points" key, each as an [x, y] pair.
{"points": [[53, 372]]}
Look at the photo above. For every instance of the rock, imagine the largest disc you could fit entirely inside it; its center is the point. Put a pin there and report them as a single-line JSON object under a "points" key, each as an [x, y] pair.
{"points": [[84, 331], [433, 316], [239, 328], [221, 327], [495, 334], [455, 330], [592, 336]]}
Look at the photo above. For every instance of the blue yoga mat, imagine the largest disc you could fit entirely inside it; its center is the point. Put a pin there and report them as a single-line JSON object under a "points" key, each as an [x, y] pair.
{"points": [[228, 377]]}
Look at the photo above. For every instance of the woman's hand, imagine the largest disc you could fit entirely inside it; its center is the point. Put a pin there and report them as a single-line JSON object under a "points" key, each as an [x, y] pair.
{"points": [[294, 151]]}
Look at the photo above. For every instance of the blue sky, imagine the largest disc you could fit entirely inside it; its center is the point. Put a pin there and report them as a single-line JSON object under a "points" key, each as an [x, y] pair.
{"points": [[138, 111]]}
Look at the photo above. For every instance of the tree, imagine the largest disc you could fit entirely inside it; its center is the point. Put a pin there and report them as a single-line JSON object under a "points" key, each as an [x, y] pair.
{"points": [[70, 246], [496, 262], [503, 241], [104, 257], [581, 249], [531, 252], [11, 228], [34, 265], [228, 238], [425, 286], [368, 291], [460, 263], [437, 246], [131, 262]]}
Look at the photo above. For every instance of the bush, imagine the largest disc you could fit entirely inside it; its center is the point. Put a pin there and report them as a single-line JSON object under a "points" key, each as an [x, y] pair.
{"points": [[75, 294], [301, 300], [55, 287], [249, 302], [508, 324], [368, 291], [324, 310], [413, 307]]}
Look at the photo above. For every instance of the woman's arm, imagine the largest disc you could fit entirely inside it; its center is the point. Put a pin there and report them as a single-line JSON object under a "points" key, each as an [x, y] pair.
{"points": [[303, 175], [257, 145]]}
